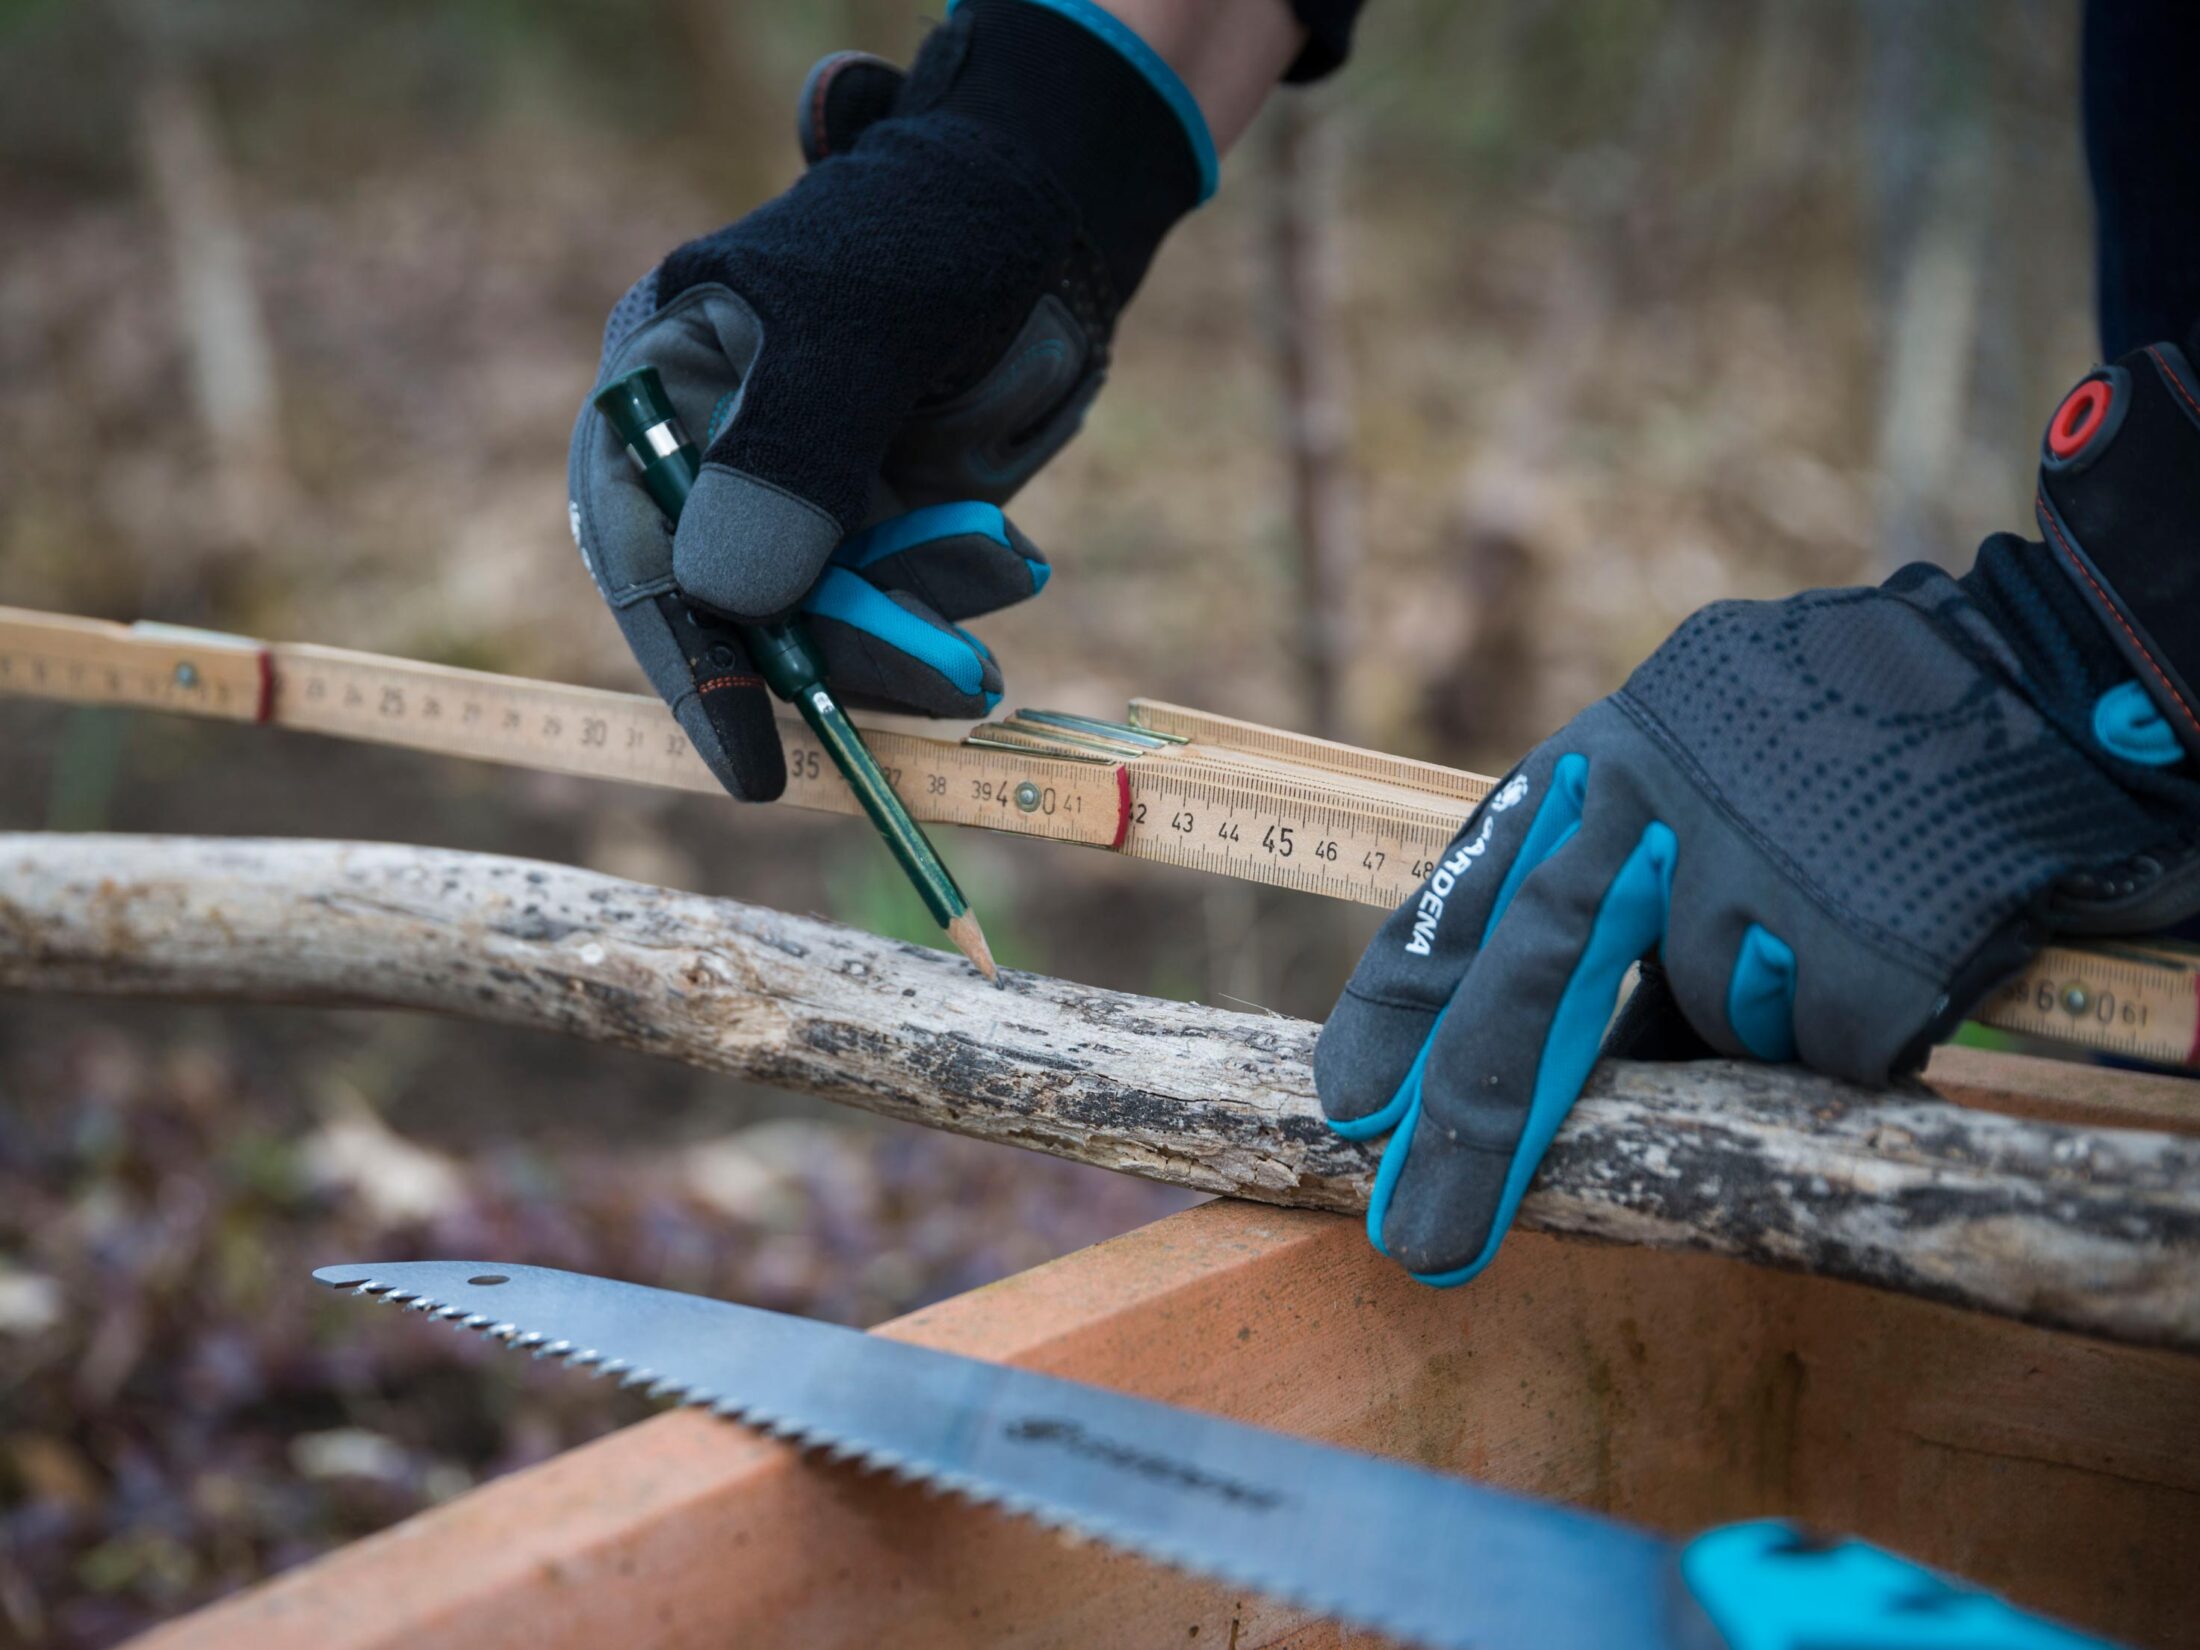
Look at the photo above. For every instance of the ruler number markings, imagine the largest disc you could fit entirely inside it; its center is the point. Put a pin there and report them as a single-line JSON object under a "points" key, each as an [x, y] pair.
{"points": [[1210, 809]]}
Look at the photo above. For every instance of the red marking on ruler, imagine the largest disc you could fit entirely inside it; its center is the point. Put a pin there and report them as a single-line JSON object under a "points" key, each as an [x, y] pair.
{"points": [[264, 709], [1123, 807]]}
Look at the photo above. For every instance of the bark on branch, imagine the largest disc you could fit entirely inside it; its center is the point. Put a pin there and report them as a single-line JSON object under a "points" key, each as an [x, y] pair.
{"points": [[2093, 1230]]}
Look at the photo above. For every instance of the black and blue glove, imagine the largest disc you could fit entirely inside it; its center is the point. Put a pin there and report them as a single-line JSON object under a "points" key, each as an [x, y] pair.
{"points": [[1828, 825], [888, 350], [1769, 1585]]}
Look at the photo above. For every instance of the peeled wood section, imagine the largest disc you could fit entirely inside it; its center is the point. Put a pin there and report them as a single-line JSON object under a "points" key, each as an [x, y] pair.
{"points": [[1678, 1391], [2090, 1229]]}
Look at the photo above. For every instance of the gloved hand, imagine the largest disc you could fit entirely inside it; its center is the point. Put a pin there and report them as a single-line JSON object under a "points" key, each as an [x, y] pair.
{"points": [[1771, 1585], [1838, 820], [920, 321]]}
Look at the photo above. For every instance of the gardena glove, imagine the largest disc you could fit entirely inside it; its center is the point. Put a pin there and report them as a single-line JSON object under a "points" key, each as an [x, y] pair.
{"points": [[1838, 820], [920, 321]]}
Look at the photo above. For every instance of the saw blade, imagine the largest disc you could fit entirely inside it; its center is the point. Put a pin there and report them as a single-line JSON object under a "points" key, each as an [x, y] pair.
{"points": [[1422, 1557]]}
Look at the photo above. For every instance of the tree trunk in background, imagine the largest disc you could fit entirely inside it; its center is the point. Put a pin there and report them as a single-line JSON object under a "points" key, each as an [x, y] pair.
{"points": [[218, 314], [2033, 338], [1301, 266], [1925, 390], [1927, 163], [746, 108], [1482, 703]]}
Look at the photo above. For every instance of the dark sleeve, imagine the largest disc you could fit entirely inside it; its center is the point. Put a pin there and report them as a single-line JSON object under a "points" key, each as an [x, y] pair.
{"points": [[2119, 510], [1328, 36], [2142, 142]]}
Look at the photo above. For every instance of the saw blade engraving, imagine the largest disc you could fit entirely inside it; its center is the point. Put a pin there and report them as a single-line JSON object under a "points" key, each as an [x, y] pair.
{"points": [[1425, 1558]]}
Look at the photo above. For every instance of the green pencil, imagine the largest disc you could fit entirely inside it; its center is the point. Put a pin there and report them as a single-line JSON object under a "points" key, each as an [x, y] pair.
{"points": [[640, 413]]}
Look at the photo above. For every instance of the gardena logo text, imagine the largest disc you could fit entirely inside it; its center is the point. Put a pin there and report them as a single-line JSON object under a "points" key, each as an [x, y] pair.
{"points": [[1430, 911]]}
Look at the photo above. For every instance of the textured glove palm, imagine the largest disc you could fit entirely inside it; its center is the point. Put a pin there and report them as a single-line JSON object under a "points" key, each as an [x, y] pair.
{"points": [[1836, 821]]}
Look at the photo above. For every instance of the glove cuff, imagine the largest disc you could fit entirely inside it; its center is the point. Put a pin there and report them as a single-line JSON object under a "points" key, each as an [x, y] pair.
{"points": [[1078, 89], [2119, 510]]}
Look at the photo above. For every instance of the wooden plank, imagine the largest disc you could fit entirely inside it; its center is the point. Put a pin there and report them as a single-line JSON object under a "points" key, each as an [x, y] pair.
{"points": [[2066, 1473], [154, 667], [1677, 1391], [2066, 1091], [710, 1537], [551, 726]]}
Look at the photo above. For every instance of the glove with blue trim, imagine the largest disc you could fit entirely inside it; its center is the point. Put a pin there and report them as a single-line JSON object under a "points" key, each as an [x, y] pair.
{"points": [[1831, 824], [888, 350], [1769, 1585]]}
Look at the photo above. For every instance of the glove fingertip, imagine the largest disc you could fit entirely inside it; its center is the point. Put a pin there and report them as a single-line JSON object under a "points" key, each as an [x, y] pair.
{"points": [[749, 549], [1365, 1062], [732, 730], [1020, 542], [843, 93], [1437, 1206], [890, 649]]}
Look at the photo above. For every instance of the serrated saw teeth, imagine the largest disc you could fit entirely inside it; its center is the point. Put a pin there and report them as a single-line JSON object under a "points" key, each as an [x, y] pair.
{"points": [[890, 1463], [919, 1466]]}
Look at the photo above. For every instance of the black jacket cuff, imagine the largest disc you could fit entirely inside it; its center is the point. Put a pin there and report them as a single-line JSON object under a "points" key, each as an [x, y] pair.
{"points": [[2119, 511], [1078, 106]]}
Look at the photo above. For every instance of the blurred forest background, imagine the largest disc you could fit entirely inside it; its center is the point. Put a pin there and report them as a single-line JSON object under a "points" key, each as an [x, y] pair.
{"points": [[1543, 324]]}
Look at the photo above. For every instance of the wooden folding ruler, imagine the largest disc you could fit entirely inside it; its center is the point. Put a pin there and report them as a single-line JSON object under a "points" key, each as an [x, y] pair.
{"points": [[1179, 786]]}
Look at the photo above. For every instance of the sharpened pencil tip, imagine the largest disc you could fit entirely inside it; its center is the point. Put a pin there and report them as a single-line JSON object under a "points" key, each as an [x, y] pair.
{"points": [[969, 939]]}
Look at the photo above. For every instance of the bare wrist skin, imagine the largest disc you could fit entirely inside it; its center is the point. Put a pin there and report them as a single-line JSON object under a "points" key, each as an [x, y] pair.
{"points": [[1230, 54]]}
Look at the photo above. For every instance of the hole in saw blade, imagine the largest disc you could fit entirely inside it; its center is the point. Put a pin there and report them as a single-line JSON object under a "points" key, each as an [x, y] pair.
{"points": [[488, 1278]]}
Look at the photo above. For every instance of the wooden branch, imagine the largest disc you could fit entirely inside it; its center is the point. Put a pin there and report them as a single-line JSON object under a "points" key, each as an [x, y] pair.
{"points": [[2093, 1230]]}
